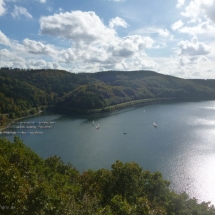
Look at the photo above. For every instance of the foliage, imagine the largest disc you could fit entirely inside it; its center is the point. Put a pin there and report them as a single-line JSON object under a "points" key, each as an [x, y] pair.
{"points": [[19, 99], [32, 185], [22, 92]]}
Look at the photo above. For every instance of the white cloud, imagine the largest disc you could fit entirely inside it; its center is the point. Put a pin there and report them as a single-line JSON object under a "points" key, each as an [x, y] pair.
{"points": [[154, 30], [203, 28], [180, 3], [77, 26], [35, 47], [94, 44], [164, 32], [5, 54], [161, 45], [210, 10], [143, 62], [4, 40], [2, 8], [43, 1], [177, 25], [185, 61], [193, 10], [185, 66], [124, 48], [32, 63], [11, 59], [8, 58], [68, 55], [18, 11], [193, 48], [200, 17], [198, 9], [117, 21], [128, 46], [85, 54], [121, 54]]}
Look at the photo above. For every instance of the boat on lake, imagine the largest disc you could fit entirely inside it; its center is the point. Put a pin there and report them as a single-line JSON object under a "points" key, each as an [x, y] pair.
{"points": [[154, 124], [97, 127]]}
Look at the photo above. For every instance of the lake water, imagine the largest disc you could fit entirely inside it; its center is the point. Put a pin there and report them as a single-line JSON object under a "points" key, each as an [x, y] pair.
{"points": [[182, 147]]}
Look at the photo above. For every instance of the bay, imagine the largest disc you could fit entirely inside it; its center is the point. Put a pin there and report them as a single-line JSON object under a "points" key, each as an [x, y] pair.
{"points": [[182, 147]]}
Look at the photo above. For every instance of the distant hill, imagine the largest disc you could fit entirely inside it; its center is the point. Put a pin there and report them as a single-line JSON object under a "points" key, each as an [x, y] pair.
{"points": [[116, 88], [22, 91], [206, 82]]}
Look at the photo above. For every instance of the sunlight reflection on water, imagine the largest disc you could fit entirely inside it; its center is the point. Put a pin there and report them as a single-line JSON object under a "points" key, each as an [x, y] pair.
{"points": [[194, 171], [201, 121], [203, 175]]}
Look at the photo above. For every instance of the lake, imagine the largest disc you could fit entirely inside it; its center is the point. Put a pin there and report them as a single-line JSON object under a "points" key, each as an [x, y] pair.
{"points": [[182, 146]]}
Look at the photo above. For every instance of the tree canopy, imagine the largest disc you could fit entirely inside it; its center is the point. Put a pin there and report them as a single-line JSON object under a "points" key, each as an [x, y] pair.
{"points": [[32, 185], [23, 92]]}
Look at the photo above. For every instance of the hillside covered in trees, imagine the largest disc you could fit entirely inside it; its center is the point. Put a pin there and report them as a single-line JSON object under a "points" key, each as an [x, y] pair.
{"points": [[24, 92], [32, 185]]}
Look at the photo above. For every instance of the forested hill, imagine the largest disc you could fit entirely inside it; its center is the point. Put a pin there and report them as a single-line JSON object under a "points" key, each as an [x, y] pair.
{"points": [[207, 82], [26, 91]]}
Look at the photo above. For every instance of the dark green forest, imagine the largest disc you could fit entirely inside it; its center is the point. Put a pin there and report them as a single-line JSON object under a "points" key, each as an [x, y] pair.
{"points": [[32, 185], [26, 92]]}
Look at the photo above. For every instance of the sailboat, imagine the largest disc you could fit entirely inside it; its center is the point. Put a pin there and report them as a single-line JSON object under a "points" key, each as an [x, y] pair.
{"points": [[154, 124], [93, 122], [97, 127]]}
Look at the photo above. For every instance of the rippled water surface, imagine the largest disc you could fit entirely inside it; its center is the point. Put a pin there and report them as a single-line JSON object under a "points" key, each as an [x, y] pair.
{"points": [[182, 147]]}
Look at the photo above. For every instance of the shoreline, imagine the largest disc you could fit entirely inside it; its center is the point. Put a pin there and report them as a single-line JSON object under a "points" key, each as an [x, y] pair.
{"points": [[2, 128], [113, 108]]}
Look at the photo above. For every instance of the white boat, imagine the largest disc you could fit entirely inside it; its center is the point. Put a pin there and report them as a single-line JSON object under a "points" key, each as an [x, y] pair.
{"points": [[97, 127], [93, 122], [154, 124]]}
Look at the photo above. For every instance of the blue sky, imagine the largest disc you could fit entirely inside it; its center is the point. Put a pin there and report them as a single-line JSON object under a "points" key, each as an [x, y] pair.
{"points": [[174, 37]]}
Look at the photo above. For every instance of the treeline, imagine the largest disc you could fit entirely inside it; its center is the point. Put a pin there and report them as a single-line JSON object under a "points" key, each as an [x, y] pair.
{"points": [[26, 91], [20, 99], [32, 185]]}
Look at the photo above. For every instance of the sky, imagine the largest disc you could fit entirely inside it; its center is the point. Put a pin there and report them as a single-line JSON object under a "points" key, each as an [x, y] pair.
{"points": [[173, 37]]}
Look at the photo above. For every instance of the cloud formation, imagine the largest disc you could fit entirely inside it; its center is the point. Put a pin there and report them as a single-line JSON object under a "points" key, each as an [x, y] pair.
{"points": [[180, 3], [11, 59], [2, 7], [203, 28], [117, 21], [35, 47], [77, 26], [200, 9], [123, 37], [93, 41], [19, 11], [4, 40], [177, 25], [193, 48]]}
